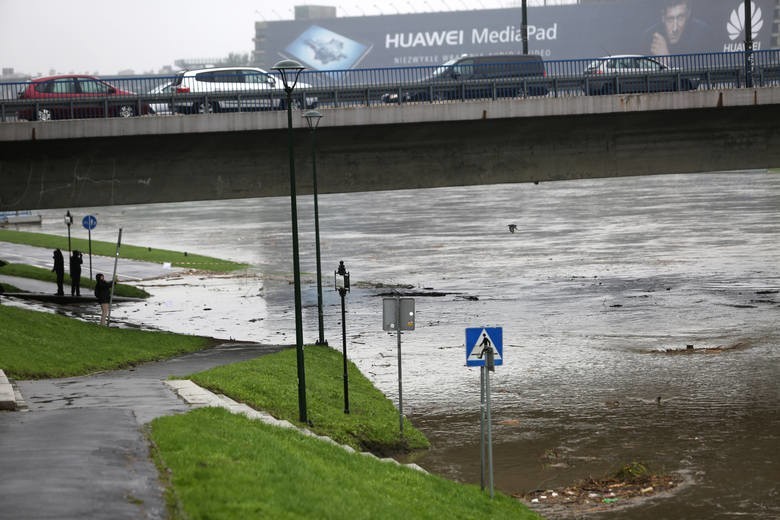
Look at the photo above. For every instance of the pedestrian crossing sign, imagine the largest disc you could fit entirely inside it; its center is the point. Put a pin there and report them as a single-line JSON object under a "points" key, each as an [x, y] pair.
{"points": [[480, 338]]}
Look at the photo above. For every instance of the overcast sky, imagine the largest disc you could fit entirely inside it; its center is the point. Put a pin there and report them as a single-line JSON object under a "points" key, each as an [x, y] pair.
{"points": [[91, 36]]}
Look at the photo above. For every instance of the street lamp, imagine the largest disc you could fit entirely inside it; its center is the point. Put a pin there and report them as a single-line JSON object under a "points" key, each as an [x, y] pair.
{"points": [[341, 281], [313, 120], [293, 69], [68, 222], [748, 44], [524, 25]]}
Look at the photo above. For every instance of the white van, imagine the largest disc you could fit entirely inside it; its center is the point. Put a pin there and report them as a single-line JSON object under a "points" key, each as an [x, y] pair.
{"points": [[232, 89]]}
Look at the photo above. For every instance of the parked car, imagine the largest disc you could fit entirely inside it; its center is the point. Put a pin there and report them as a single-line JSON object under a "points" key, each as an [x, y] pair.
{"points": [[77, 96], [476, 77], [633, 73], [162, 107], [232, 89]]}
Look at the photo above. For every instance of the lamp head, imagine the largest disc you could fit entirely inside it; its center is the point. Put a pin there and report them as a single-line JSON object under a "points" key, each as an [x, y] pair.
{"points": [[312, 118], [288, 69], [342, 278]]}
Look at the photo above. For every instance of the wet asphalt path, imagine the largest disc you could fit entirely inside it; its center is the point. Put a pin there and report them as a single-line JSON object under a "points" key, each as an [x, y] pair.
{"points": [[79, 451]]}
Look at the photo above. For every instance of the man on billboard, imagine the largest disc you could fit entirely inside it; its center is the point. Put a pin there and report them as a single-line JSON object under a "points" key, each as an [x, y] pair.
{"points": [[677, 32]]}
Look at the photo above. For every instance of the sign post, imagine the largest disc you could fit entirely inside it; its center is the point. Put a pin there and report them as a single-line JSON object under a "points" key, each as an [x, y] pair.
{"points": [[113, 279], [398, 315], [484, 349], [89, 222]]}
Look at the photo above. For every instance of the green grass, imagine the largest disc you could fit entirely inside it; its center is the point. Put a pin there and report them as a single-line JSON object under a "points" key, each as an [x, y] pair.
{"points": [[46, 275], [176, 258], [7, 287], [270, 383], [224, 466], [37, 345]]}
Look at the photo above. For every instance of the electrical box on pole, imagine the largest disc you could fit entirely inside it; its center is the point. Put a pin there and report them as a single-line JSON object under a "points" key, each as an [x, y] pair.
{"points": [[397, 314]]}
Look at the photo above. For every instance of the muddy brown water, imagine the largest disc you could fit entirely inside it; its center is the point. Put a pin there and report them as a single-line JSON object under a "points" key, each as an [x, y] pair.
{"points": [[599, 280]]}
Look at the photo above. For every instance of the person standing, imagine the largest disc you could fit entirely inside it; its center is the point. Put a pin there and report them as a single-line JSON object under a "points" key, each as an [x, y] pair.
{"points": [[75, 273], [59, 270], [103, 295]]}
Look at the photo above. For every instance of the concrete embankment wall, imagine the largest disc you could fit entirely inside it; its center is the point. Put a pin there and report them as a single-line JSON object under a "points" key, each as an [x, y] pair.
{"points": [[222, 156]]}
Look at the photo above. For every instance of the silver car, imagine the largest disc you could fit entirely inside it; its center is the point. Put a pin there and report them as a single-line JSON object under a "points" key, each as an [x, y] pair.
{"points": [[232, 89], [633, 73], [162, 107]]}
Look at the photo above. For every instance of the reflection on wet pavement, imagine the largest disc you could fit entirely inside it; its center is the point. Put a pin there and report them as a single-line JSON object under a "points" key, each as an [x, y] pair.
{"points": [[598, 281]]}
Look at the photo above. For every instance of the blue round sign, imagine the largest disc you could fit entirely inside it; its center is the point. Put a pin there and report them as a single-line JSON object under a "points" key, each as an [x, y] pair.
{"points": [[89, 222]]}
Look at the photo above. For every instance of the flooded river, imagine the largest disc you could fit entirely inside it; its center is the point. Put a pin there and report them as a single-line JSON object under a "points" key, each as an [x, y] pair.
{"points": [[599, 282]]}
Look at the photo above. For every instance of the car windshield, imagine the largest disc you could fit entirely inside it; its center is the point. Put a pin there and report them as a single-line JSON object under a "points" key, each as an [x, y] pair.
{"points": [[162, 89], [595, 64], [443, 69], [648, 64]]}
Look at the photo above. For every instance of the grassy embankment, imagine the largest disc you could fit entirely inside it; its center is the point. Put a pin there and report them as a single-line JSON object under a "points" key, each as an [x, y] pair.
{"points": [[224, 466], [36, 345], [270, 383]]}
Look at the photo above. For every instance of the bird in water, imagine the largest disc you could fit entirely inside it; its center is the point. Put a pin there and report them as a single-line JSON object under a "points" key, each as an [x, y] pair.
{"points": [[512, 228]]}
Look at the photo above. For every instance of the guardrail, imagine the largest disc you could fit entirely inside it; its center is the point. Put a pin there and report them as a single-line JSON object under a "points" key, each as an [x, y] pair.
{"points": [[160, 95]]}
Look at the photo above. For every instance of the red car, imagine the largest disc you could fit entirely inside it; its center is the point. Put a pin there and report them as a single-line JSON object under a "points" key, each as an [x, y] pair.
{"points": [[77, 96]]}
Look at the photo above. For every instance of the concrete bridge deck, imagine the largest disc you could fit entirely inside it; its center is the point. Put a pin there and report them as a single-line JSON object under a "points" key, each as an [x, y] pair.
{"points": [[175, 158]]}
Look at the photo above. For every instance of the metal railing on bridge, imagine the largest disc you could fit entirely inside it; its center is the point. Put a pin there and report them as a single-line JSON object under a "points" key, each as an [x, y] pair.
{"points": [[219, 90]]}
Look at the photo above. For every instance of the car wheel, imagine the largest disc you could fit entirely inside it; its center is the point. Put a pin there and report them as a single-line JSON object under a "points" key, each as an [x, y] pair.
{"points": [[126, 111], [205, 108], [44, 114], [296, 104]]}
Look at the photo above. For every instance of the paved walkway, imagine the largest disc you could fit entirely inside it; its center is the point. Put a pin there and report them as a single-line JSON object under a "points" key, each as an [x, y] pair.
{"points": [[77, 449]]}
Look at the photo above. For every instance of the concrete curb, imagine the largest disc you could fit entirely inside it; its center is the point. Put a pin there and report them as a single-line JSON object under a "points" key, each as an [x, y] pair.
{"points": [[7, 395], [197, 396]]}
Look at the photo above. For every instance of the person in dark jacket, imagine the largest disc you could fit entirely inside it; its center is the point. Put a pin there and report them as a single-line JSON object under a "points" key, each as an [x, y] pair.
{"points": [[75, 273], [59, 270], [103, 295]]}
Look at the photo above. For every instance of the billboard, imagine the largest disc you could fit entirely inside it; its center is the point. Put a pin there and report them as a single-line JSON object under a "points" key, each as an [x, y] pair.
{"points": [[554, 32]]}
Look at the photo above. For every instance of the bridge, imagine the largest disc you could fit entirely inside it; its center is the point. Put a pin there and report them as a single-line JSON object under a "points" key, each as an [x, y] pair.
{"points": [[91, 162]]}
